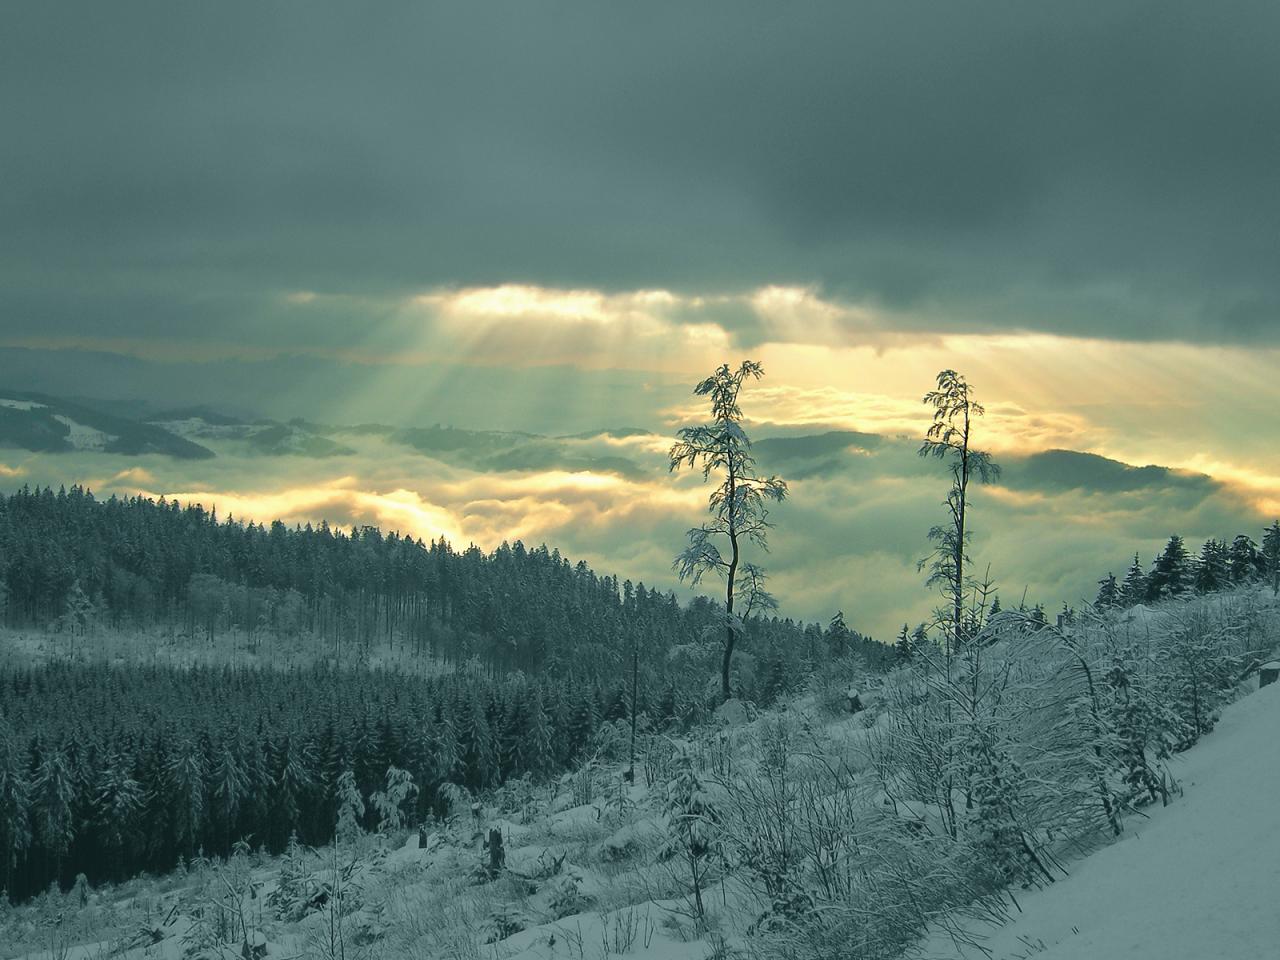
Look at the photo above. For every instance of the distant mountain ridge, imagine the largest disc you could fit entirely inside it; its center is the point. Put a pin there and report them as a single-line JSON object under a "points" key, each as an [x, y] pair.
{"points": [[42, 423], [45, 424]]}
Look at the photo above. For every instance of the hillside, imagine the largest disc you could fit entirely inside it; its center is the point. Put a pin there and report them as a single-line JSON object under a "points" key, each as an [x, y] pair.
{"points": [[72, 563], [44, 424], [799, 832], [1196, 880]]}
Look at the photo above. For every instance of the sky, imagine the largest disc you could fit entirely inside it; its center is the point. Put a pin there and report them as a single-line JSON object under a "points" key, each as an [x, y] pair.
{"points": [[554, 218]]}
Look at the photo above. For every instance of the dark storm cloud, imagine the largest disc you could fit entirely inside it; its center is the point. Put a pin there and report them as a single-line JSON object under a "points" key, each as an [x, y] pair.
{"points": [[1097, 168]]}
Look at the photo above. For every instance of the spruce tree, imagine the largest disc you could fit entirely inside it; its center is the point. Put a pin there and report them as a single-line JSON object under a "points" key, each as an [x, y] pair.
{"points": [[53, 796], [119, 801], [78, 611], [184, 777], [448, 747], [390, 803], [480, 748], [1135, 587], [582, 722], [537, 746], [228, 790], [291, 779], [15, 801], [775, 679], [1171, 573], [1108, 592], [902, 647], [350, 808], [1245, 560], [919, 639], [1213, 567]]}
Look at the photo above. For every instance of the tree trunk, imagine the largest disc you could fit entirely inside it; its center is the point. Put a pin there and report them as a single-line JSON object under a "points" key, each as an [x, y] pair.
{"points": [[730, 635]]}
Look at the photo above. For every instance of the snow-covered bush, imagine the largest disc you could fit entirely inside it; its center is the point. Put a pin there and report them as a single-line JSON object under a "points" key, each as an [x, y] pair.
{"points": [[981, 767], [390, 803], [692, 844]]}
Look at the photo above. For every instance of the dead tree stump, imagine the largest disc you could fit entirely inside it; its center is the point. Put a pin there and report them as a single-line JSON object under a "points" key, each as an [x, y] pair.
{"points": [[497, 855]]}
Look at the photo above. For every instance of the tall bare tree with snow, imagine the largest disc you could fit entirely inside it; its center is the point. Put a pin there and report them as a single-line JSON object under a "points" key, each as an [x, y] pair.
{"points": [[738, 505]]}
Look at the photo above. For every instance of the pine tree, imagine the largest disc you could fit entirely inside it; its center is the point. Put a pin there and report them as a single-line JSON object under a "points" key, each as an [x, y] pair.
{"points": [[350, 808], [1135, 587], [15, 800], [775, 679], [390, 803], [583, 721], [448, 748], [995, 784], [1145, 728], [919, 640], [1246, 562], [1108, 592], [53, 797], [119, 800], [514, 724], [902, 651], [537, 746], [480, 748], [78, 611], [228, 789], [291, 779], [1171, 574], [1213, 567], [184, 776], [837, 637], [693, 824], [1198, 675]]}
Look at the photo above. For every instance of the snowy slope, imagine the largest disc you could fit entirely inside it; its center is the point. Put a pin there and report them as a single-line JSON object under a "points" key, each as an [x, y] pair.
{"points": [[1199, 881]]}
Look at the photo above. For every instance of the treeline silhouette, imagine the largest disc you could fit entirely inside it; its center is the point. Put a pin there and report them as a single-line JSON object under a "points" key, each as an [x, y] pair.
{"points": [[1176, 572]]}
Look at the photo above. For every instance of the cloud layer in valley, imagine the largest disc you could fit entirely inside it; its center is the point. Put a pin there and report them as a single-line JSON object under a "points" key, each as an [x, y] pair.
{"points": [[849, 537]]}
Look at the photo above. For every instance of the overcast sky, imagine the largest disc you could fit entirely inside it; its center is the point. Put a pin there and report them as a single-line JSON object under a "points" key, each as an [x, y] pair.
{"points": [[557, 216]]}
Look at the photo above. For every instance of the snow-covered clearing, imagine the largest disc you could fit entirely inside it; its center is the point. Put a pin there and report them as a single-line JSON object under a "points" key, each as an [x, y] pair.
{"points": [[82, 437]]}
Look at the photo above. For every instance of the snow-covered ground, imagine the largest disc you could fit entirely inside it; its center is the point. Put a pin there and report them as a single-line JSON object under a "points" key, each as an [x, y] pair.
{"points": [[1200, 880], [592, 870], [82, 437]]}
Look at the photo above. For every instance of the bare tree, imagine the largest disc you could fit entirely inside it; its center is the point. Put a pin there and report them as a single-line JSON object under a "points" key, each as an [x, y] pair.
{"points": [[949, 438], [738, 504]]}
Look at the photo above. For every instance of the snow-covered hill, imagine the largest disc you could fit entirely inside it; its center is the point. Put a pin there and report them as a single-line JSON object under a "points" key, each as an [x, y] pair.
{"points": [[796, 833], [1200, 880]]}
